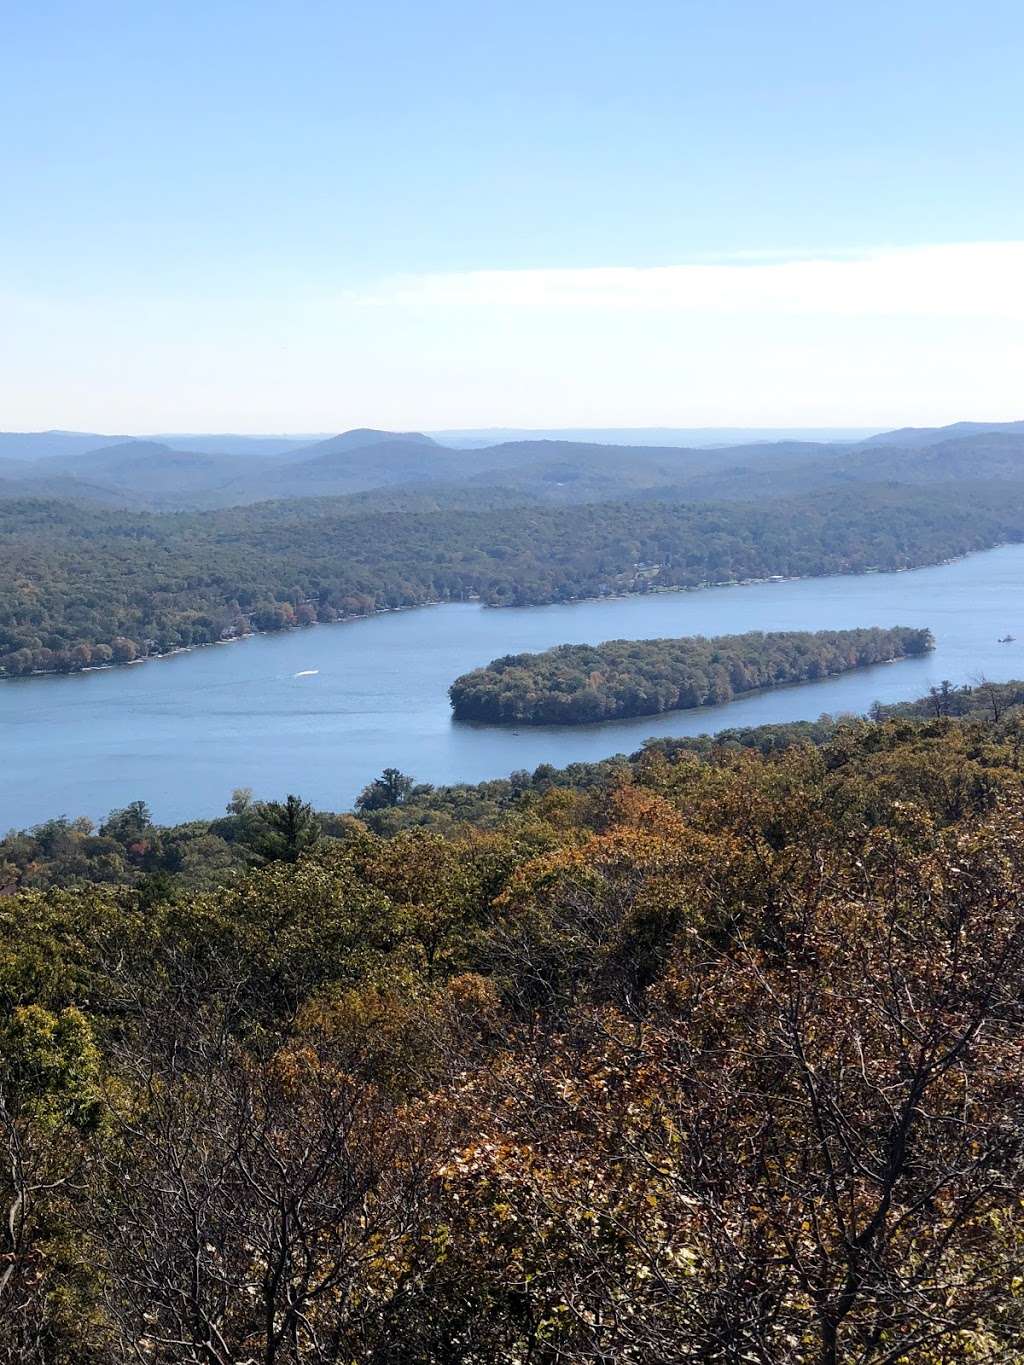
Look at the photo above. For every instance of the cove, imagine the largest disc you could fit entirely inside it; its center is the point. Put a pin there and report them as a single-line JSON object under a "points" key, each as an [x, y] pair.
{"points": [[181, 732]]}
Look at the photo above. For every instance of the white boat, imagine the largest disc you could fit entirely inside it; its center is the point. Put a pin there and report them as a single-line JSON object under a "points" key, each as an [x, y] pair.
{"points": [[307, 672]]}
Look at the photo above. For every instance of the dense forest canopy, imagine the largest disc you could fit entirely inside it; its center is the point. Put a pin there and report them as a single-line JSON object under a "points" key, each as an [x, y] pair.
{"points": [[579, 684], [717, 1044], [81, 587]]}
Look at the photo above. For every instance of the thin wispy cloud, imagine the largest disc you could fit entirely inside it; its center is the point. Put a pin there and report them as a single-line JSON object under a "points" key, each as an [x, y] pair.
{"points": [[885, 337], [975, 279]]}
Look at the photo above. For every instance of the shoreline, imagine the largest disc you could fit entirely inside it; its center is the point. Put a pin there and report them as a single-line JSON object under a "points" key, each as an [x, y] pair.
{"points": [[502, 606]]}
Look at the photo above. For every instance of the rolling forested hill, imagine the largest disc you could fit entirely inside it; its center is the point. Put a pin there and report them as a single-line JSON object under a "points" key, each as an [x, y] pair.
{"points": [[80, 587]]}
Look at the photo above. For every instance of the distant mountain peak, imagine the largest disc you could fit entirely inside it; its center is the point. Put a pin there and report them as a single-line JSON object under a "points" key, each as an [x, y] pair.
{"points": [[361, 438], [369, 435]]}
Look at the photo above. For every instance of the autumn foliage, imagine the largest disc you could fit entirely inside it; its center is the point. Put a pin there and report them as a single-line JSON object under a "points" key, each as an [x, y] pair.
{"points": [[716, 1062]]}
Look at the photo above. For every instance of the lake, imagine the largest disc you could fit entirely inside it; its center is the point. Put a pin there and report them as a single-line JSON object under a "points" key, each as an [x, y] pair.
{"points": [[182, 732]]}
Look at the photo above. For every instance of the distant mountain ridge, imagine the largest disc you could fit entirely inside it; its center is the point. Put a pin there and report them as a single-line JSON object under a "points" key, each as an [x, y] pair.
{"points": [[928, 436], [700, 438], [162, 476], [39, 445], [33, 445], [258, 446]]}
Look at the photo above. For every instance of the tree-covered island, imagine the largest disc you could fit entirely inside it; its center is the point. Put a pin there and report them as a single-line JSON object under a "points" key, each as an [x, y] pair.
{"points": [[580, 684]]}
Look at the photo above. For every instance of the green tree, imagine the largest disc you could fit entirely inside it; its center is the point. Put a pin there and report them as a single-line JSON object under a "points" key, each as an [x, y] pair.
{"points": [[129, 823], [285, 829], [392, 788]]}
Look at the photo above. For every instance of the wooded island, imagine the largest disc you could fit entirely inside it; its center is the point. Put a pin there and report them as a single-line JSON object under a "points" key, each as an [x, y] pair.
{"points": [[580, 684]]}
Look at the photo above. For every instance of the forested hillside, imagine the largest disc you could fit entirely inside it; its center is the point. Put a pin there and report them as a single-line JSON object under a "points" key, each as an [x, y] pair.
{"points": [[713, 1053], [80, 587], [580, 684], [179, 473]]}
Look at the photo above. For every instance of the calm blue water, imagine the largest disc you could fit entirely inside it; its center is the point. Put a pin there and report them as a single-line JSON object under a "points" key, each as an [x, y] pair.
{"points": [[180, 733]]}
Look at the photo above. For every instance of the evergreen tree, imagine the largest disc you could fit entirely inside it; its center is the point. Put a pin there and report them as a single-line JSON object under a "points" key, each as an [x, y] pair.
{"points": [[285, 829]]}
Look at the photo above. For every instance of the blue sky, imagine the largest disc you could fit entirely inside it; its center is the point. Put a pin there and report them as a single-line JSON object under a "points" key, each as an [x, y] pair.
{"points": [[272, 216]]}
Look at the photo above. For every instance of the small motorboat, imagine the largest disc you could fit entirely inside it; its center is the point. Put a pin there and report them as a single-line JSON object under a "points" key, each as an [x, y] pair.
{"points": [[307, 673], [1005, 640]]}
